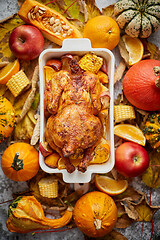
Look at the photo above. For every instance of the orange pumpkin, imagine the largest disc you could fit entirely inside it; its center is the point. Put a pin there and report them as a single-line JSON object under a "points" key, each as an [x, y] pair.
{"points": [[20, 161], [141, 85], [95, 214], [7, 118]]}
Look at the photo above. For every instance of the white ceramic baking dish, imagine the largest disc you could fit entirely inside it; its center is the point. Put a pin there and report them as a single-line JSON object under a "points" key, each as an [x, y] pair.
{"points": [[78, 47]]}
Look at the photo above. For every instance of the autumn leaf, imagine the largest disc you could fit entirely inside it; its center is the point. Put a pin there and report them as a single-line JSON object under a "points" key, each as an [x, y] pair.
{"points": [[151, 177], [141, 210], [24, 129], [154, 50], [127, 212], [75, 10], [92, 9], [119, 72], [124, 221], [145, 212], [28, 67], [114, 235], [130, 193], [123, 51], [108, 11], [6, 27], [119, 99], [130, 209], [150, 50], [20, 100], [83, 9]]}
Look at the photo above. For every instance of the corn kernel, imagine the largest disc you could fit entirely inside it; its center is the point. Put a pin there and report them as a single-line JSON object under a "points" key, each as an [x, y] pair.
{"points": [[90, 62], [123, 112], [17, 83], [48, 187]]}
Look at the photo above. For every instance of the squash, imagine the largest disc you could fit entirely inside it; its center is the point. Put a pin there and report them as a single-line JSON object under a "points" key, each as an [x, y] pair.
{"points": [[95, 214], [26, 215], [52, 24], [152, 130], [20, 161], [138, 18], [141, 85], [7, 118]]}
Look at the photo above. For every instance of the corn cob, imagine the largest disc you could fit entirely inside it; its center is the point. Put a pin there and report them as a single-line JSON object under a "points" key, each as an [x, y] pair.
{"points": [[123, 112], [90, 62], [48, 187], [17, 83]]}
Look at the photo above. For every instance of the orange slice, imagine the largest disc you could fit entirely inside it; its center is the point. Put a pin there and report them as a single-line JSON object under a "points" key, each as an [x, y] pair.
{"points": [[8, 71], [52, 160], [109, 185], [130, 132], [101, 153], [48, 73], [61, 164], [135, 48]]}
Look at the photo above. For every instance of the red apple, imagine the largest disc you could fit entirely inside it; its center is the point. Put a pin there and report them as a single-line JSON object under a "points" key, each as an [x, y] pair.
{"points": [[131, 159], [45, 149], [26, 42]]}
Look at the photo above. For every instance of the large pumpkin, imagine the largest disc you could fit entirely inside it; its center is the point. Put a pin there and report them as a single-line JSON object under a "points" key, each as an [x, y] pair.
{"points": [[138, 18], [20, 161], [95, 214], [141, 85], [7, 118]]}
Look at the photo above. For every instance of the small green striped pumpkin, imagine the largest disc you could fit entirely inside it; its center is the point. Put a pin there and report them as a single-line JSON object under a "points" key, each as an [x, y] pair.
{"points": [[139, 18], [152, 130]]}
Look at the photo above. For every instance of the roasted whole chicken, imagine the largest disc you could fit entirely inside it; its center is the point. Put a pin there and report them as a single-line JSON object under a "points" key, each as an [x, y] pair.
{"points": [[73, 98]]}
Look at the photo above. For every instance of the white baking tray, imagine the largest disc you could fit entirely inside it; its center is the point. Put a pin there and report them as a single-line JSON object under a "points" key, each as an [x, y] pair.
{"points": [[78, 47]]}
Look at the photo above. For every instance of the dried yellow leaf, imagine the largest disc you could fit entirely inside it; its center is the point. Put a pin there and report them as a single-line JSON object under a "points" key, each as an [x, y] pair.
{"points": [[119, 71], [145, 213], [151, 177]]}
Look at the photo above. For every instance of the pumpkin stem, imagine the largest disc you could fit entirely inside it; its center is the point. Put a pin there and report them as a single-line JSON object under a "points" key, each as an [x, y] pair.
{"points": [[98, 224], [17, 163], [157, 73]]}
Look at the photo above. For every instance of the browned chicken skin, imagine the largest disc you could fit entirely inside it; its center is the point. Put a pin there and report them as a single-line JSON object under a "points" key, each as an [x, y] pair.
{"points": [[73, 99], [74, 127], [65, 89]]}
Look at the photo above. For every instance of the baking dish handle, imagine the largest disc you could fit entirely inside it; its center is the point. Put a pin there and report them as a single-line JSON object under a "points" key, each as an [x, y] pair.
{"points": [[77, 44], [76, 176]]}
